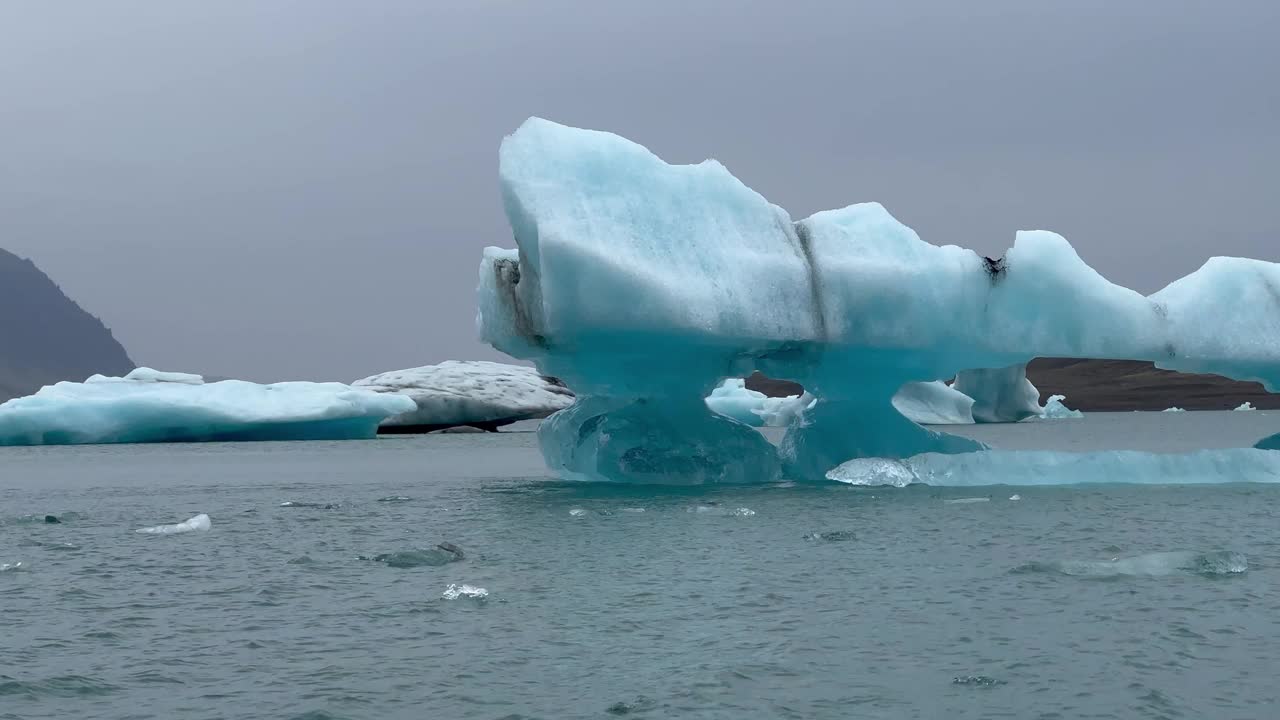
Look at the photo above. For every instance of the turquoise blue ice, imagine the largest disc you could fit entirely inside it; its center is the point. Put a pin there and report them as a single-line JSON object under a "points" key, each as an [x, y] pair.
{"points": [[151, 406], [642, 283]]}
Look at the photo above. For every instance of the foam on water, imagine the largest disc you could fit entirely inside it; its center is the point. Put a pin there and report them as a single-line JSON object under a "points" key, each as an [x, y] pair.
{"points": [[1043, 467], [199, 523], [1212, 563], [455, 591]]}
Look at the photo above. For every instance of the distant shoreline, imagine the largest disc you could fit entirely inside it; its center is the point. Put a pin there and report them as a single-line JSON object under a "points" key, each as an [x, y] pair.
{"points": [[1111, 386]]}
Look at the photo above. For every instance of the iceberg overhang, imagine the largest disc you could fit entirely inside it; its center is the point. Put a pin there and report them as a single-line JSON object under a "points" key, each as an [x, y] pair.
{"points": [[643, 284]]}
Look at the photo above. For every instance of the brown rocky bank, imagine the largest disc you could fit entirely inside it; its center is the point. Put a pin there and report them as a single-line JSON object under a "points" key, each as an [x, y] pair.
{"points": [[1111, 385]]}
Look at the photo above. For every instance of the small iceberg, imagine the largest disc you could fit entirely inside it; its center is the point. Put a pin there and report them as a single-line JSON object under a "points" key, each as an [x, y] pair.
{"points": [[1173, 409], [733, 399], [1055, 410], [199, 523], [150, 406], [442, 554], [455, 591], [1246, 406]]}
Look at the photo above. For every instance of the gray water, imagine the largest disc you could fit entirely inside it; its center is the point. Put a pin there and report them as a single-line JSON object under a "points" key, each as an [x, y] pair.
{"points": [[793, 601]]}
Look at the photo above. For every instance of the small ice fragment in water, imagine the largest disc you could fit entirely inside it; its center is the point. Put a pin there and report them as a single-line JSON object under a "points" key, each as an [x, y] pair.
{"points": [[442, 554], [976, 680], [394, 499], [6, 567], [625, 708], [1015, 496], [1246, 407], [318, 506], [966, 501], [52, 520], [744, 512], [577, 512], [455, 591], [831, 535], [199, 523], [633, 510], [1173, 409]]}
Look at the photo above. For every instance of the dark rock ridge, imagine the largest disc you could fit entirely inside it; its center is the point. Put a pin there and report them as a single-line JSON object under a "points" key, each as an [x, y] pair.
{"points": [[1110, 385], [45, 336], [1101, 385]]}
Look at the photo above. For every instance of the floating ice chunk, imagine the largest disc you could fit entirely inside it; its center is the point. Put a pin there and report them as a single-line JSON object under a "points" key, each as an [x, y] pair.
{"points": [[874, 471], [151, 406], [1000, 395], [1055, 410], [1173, 409], [395, 499], [732, 399], [577, 512], [199, 523], [455, 591], [442, 554], [472, 392], [314, 505], [934, 403], [9, 567], [1217, 562], [1015, 497], [966, 501], [1037, 467], [1246, 406]]}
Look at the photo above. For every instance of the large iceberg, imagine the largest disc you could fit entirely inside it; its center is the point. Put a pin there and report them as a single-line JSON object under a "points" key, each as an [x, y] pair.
{"points": [[474, 393], [644, 284], [151, 406]]}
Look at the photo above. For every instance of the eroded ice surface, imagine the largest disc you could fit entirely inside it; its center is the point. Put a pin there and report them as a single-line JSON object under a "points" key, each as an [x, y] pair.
{"points": [[470, 392], [150, 406], [639, 283], [934, 403]]}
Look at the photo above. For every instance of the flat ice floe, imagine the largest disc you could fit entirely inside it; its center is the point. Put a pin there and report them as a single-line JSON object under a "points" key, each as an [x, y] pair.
{"points": [[151, 406], [1036, 467], [199, 523], [468, 393], [643, 285]]}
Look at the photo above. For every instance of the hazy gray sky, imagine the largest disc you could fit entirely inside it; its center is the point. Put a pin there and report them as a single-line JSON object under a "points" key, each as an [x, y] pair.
{"points": [[301, 189]]}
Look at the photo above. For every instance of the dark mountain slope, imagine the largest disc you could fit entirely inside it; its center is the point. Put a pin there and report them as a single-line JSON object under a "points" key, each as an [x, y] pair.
{"points": [[45, 336]]}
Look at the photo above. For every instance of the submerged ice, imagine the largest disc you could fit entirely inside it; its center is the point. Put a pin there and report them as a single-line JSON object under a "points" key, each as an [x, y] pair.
{"points": [[151, 406], [643, 285]]}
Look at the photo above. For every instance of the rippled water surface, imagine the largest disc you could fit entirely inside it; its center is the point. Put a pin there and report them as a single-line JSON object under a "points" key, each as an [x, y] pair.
{"points": [[556, 600]]}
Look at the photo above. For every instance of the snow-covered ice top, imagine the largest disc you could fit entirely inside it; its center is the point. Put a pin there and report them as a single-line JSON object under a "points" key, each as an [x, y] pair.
{"points": [[458, 392], [151, 406]]}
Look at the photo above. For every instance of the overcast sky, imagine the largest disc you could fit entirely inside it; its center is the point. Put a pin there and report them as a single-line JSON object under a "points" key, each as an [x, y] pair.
{"points": [[301, 189]]}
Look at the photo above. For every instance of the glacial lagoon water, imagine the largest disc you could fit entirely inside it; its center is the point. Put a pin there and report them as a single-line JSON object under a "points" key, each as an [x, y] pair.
{"points": [[563, 600]]}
